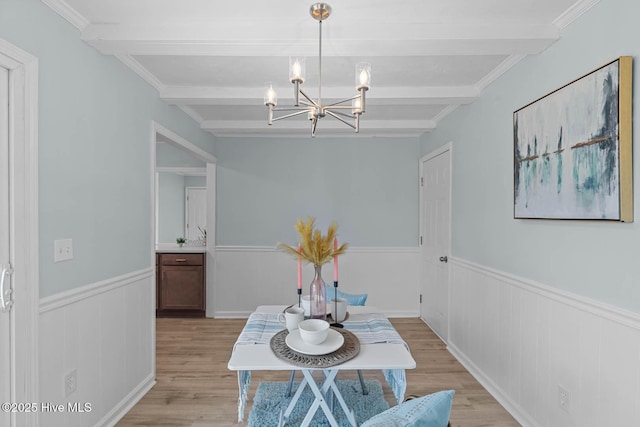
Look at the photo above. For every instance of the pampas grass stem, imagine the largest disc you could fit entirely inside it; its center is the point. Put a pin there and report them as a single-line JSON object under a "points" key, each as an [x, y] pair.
{"points": [[316, 249]]}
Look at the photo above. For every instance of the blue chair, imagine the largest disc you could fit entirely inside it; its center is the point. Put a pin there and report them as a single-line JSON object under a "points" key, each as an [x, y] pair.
{"points": [[432, 410], [352, 299]]}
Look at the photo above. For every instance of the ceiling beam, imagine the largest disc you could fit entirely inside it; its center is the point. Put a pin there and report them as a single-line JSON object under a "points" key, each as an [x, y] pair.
{"points": [[388, 40], [303, 124], [498, 46], [379, 95]]}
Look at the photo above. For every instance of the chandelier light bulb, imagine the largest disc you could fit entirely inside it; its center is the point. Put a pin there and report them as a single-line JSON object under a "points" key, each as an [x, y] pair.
{"points": [[363, 75], [296, 69], [270, 95], [364, 78]]}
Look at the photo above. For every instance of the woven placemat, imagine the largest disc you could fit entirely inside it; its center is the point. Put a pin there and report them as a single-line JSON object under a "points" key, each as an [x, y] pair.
{"points": [[348, 351]]}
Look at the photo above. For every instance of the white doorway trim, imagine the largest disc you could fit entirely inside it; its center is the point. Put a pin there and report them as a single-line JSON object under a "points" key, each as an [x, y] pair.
{"points": [[183, 170], [178, 141], [435, 153], [23, 172]]}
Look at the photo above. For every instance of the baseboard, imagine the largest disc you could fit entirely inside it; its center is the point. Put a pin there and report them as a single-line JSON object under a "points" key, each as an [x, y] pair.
{"points": [[486, 382], [117, 413]]}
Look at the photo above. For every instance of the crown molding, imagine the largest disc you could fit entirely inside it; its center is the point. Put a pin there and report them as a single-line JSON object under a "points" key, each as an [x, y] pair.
{"points": [[502, 68], [137, 68], [573, 13], [67, 12]]}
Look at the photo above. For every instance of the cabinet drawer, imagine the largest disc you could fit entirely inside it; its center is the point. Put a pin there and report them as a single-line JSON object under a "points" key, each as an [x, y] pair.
{"points": [[181, 259]]}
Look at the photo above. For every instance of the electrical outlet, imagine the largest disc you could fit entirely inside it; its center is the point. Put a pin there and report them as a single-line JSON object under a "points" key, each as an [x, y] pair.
{"points": [[70, 383], [564, 398], [62, 250]]}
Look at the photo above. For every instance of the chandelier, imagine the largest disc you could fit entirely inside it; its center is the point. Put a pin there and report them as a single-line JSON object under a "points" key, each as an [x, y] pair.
{"points": [[315, 109]]}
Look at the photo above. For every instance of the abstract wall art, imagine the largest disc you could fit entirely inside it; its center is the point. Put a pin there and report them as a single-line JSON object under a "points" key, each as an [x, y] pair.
{"points": [[573, 149]]}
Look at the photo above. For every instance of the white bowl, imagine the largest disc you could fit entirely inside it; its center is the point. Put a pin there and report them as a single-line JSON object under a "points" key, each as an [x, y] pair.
{"points": [[313, 331], [306, 304]]}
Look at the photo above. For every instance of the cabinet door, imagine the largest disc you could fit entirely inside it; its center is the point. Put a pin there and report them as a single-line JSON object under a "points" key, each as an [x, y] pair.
{"points": [[182, 288]]}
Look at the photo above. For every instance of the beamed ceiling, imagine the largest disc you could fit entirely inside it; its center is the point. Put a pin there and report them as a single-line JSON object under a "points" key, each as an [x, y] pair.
{"points": [[212, 58]]}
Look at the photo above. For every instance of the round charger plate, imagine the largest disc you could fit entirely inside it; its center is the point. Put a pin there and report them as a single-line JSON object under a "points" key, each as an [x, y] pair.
{"points": [[333, 342], [348, 351]]}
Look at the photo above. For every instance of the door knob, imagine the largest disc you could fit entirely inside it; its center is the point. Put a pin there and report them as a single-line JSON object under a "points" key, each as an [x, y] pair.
{"points": [[444, 259]]}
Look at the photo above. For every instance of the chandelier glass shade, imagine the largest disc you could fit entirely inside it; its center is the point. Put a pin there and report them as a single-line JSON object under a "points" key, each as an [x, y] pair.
{"points": [[347, 111]]}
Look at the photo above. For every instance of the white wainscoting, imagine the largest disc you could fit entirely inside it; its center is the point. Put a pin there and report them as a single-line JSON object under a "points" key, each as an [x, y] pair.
{"points": [[106, 332], [248, 276], [522, 340]]}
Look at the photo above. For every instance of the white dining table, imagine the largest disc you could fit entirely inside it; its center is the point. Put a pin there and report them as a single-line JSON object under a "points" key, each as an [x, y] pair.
{"points": [[387, 355]]}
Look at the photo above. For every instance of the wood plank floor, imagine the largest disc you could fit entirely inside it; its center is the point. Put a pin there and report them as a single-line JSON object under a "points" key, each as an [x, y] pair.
{"points": [[195, 388]]}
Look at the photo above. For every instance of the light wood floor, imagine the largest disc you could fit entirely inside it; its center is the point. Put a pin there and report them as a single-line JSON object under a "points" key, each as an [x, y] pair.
{"points": [[195, 388]]}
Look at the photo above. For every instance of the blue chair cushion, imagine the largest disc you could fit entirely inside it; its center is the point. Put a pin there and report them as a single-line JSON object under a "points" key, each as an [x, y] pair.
{"points": [[352, 299], [432, 410]]}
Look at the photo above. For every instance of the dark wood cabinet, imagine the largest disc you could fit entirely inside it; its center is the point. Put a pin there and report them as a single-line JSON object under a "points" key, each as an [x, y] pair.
{"points": [[180, 285]]}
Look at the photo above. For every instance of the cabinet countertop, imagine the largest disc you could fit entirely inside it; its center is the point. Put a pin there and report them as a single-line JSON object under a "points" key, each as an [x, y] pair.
{"points": [[175, 249]]}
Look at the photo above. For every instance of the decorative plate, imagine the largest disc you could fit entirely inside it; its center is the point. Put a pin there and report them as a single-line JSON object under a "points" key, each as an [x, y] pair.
{"points": [[333, 342]]}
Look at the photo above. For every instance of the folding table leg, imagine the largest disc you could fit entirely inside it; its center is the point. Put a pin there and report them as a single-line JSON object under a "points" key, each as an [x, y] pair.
{"points": [[296, 397], [319, 400], [348, 412], [328, 394], [293, 374], [321, 395], [365, 391]]}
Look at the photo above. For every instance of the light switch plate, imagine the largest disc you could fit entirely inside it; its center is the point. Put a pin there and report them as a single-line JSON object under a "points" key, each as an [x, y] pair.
{"points": [[63, 250]]}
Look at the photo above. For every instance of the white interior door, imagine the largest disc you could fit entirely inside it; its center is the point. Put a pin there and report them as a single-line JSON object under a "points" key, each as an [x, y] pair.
{"points": [[196, 212], [6, 343], [436, 219]]}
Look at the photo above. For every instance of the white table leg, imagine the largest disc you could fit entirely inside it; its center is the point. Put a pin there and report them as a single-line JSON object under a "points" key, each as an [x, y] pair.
{"points": [[349, 413], [328, 385], [319, 394], [296, 397]]}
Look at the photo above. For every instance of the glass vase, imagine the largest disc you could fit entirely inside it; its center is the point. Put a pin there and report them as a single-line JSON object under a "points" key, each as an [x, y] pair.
{"points": [[317, 295]]}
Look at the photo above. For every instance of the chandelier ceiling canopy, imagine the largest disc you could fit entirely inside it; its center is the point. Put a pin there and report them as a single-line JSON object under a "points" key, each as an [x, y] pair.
{"points": [[347, 110]]}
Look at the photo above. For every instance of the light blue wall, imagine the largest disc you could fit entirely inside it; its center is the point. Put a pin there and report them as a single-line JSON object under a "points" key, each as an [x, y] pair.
{"points": [[171, 194], [599, 260], [195, 181], [94, 150], [368, 185], [168, 155]]}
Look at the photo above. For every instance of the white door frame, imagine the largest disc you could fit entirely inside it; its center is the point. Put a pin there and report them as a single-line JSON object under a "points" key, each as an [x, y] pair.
{"points": [[23, 172], [435, 153], [178, 141]]}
